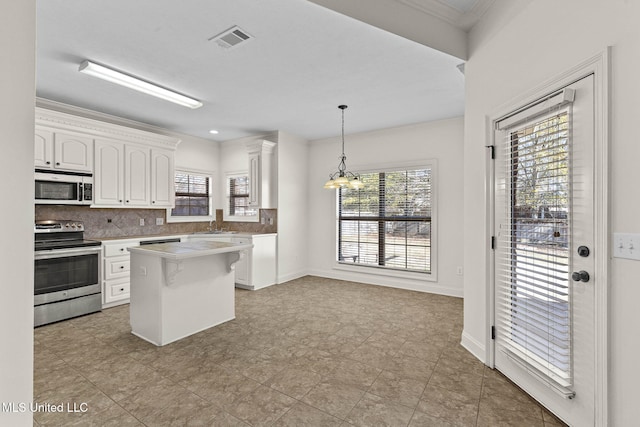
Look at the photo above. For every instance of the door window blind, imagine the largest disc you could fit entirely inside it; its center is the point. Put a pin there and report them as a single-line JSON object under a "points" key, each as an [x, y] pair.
{"points": [[533, 308]]}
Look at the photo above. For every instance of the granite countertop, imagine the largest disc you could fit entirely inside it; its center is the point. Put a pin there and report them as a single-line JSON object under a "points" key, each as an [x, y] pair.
{"points": [[183, 250], [141, 236], [198, 233]]}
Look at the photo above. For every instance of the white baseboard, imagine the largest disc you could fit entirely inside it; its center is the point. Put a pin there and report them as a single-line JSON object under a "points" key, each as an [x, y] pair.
{"points": [[474, 346], [399, 283], [291, 276]]}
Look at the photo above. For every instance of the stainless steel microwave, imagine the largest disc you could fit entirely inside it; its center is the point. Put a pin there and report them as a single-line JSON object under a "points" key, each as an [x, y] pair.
{"points": [[63, 188]]}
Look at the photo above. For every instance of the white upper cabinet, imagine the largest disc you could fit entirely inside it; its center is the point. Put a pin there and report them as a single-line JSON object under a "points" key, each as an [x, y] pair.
{"points": [[162, 178], [108, 186], [131, 167], [64, 151], [73, 152], [261, 174], [137, 176], [43, 149]]}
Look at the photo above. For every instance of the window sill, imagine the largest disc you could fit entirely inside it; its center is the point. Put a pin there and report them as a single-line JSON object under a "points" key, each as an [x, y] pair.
{"points": [[380, 271], [241, 218], [176, 219]]}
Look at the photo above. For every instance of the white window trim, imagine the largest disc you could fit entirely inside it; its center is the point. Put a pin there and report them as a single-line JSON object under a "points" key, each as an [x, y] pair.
{"points": [[212, 214], [225, 211], [379, 271]]}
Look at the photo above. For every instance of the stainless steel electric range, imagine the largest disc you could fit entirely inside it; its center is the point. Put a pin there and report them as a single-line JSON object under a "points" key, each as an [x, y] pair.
{"points": [[67, 272]]}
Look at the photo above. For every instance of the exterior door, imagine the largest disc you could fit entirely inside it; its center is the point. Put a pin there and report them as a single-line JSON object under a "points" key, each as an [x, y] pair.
{"points": [[544, 284]]}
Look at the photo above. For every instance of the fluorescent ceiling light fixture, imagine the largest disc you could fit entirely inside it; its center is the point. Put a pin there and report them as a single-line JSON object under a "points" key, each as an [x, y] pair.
{"points": [[134, 83]]}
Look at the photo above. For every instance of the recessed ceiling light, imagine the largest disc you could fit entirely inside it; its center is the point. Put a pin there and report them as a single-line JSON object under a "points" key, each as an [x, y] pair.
{"points": [[134, 83], [213, 132]]}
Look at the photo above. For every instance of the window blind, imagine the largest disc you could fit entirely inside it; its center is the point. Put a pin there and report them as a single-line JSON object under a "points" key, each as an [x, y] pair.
{"points": [[533, 307], [387, 223], [192, 195], [239, 197]]}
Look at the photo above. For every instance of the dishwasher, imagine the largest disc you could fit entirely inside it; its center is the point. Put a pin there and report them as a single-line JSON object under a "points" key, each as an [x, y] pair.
{"points": [[156, 241]]}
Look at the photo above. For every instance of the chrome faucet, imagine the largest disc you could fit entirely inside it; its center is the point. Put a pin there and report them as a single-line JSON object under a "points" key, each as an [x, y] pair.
{"points": [[210, 226]]}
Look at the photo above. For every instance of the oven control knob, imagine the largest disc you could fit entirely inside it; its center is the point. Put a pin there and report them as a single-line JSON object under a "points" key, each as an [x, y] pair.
{"points": [[67, 225]]}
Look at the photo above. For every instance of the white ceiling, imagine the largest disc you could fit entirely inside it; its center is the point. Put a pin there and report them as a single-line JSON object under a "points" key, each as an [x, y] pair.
{"points": [[303, 62], [463, 14]]}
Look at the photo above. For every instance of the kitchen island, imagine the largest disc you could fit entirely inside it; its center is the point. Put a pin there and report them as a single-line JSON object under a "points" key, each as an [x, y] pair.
{"points": [[179, 289]]}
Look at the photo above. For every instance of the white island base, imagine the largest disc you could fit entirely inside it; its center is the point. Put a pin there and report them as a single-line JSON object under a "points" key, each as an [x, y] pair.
{"points": [[179, 289]]}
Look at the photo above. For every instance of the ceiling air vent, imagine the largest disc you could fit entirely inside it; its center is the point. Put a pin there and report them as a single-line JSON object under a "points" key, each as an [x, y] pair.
{"points": [[231, 37]]}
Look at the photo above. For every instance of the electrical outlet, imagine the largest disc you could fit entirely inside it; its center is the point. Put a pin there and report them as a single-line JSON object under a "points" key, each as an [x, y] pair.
{"points": [[159, 221], [626, 245], [141, 222], [270, 221]]}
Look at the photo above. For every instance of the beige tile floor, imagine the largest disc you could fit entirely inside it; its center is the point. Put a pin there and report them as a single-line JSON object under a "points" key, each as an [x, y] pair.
{"points": [[310, 352]]}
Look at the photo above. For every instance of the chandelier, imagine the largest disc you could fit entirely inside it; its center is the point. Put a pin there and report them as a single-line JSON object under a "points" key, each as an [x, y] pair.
{"points": [[342, 177]]}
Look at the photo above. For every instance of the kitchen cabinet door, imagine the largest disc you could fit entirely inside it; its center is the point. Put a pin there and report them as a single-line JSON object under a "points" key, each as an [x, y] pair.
{"points": [[261, 174], [243, 267], [137, 190], [43, 148], [108, 185], [162, 178], [73, 152], [255, 179]]}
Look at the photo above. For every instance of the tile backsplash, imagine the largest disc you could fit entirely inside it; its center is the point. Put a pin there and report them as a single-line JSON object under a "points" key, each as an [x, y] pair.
{"points": [[110, 223]]}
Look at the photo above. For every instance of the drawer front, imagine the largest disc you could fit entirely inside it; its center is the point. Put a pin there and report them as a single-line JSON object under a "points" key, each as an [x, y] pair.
{"points": [[117, 267], [242, 240], [116, 291], [118, 249]]}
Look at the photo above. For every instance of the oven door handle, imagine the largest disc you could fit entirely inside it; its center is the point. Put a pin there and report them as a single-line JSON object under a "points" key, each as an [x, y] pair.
{"points": [[62, 253]]}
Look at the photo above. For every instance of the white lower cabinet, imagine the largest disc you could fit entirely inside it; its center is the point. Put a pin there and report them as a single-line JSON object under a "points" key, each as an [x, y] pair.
{"points": [[117, 291], [242, 266], [255, 270], [257, 267], [116, 271]]}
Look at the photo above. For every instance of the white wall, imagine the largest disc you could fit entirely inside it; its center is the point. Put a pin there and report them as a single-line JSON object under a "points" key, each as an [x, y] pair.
{"points": [[234, 158], [201, 154], [508, 58], [293, 215], [17, 89], [441, 140]]}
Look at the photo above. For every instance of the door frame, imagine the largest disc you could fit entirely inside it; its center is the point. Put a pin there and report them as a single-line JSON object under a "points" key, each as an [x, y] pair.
{"points": [[598, 65]]}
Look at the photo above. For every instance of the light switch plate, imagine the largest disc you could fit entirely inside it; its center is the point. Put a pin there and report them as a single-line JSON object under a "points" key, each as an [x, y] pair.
{"points": [[626, 245]]}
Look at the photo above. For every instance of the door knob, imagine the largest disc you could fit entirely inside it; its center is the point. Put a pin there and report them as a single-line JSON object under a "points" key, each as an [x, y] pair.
{"points": [[580, 276]]}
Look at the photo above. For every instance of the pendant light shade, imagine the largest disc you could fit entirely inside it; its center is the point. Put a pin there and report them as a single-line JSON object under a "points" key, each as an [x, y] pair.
{"points": [[342, 177]]}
